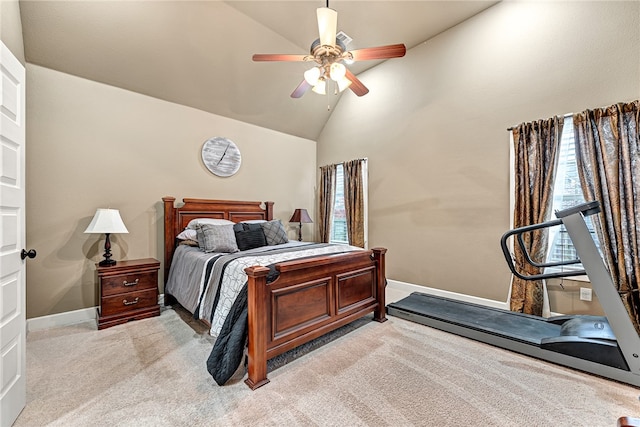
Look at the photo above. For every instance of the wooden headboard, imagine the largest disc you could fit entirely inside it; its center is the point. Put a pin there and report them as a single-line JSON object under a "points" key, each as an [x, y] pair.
{"points": [[177, 218]]}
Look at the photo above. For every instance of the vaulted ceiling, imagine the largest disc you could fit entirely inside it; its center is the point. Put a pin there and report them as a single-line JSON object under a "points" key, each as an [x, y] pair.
{"points": [[198, 53]]}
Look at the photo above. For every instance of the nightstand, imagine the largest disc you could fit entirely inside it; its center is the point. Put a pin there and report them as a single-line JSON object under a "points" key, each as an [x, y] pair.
{"points": [[128, 291]]}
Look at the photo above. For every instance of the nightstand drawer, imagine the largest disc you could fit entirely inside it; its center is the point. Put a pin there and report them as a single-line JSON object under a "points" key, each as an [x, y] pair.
{"points": [[128, 291], [132, 282], [128, 302]]}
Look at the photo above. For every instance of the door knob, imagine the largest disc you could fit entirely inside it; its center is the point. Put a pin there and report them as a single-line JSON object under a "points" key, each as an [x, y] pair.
{"points": [[30, 254]]}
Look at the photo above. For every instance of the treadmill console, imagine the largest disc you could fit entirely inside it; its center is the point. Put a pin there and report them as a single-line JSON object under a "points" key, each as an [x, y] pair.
{"points": [[588, 208]]}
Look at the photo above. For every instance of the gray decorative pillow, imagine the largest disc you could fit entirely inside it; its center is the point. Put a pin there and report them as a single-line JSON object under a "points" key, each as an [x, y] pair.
{"points": [[274, 232], [216, 238]]}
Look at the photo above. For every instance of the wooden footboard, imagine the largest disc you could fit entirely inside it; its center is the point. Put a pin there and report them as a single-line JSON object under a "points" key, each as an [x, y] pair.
{"points": [[310, 298]]}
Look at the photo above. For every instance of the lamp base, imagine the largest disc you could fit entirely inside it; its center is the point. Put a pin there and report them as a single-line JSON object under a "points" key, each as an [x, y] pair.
{"points": [[107, 262]]}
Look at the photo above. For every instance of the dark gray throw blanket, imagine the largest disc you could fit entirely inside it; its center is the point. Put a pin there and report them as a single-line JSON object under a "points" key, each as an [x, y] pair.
{"points": [[226, 355]]}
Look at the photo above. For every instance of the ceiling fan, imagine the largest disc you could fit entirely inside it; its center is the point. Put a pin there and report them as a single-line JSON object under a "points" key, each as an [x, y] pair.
{"points": [[329, 53]]}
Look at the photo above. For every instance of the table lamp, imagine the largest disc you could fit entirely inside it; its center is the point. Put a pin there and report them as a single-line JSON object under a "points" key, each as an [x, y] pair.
{"points": [[300, 216], [107, 221]]}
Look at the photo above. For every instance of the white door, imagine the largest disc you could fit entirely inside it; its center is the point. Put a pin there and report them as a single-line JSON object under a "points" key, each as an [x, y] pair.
{"points": [[13, 393]]}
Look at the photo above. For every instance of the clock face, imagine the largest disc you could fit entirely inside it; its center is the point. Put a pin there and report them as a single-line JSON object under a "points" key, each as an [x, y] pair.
{"points": [[221, 156]]}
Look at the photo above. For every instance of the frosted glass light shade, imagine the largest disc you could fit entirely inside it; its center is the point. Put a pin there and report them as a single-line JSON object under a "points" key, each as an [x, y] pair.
{"points": [[312, 75], [337, 71], [106, 221], [320, 88], [343, 83]]}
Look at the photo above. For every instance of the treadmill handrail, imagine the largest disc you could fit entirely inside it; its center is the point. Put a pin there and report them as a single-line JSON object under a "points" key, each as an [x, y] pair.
{"points": [[545, 264], [527, 228]]}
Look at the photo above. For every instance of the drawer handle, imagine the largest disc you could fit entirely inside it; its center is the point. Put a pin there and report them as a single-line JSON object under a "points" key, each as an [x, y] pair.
{"points": [[135, 301], [125, 283]]}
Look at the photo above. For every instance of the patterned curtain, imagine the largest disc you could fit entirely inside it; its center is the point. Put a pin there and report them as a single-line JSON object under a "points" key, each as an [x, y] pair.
{"points": [[326, 199], [536, 146], [354, 200], [608, 158]]}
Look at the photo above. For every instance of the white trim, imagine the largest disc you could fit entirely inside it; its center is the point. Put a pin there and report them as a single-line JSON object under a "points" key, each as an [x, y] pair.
{"points": [[365, 184], [512, 201], [68, 318], [62, 319], [512, 182], [397, 290]]}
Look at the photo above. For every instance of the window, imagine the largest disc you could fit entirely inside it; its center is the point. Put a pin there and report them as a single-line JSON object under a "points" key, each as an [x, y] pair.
{"points": [[567, 192], [339, 232], [339, 220]]}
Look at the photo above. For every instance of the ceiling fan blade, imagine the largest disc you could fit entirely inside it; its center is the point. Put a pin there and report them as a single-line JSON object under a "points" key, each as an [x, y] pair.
{"points": [[327, 25], [380, 52], [279, 57], [356, 85], [302, 88]]}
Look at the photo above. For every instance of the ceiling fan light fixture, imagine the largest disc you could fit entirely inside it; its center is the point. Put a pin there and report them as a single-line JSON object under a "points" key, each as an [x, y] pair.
{"points": [[337, 71], [329, 52], [343, 84], [320, 88], [312, 75], [327, 25]]}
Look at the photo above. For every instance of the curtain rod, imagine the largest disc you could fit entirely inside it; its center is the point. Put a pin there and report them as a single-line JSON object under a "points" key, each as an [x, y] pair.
{"points": [[565, 116], [342, 163]]}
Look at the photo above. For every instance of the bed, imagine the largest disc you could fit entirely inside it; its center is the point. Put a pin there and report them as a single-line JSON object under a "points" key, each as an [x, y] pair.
{"points": [[311, 296]]}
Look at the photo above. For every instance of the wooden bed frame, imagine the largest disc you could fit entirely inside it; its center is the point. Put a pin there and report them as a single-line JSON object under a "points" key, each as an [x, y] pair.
{"points": [[310, 297]]}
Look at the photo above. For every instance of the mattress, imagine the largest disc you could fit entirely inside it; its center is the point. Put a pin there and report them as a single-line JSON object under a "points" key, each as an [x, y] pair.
{"points": [[207, 284]]}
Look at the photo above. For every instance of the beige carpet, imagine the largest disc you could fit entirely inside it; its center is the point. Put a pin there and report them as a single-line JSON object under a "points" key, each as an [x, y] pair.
{"points": [[152, 373]]}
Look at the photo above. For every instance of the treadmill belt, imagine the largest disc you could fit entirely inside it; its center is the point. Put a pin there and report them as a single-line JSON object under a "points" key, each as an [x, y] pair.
{"points": [[516, 326]]}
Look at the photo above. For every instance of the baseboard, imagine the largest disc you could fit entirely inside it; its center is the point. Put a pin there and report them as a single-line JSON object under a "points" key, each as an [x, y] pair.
{"points": [[397, 290], [62, 319], [68, 318]]}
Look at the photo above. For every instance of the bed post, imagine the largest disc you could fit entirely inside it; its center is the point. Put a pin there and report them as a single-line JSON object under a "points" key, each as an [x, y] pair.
{"points": [[381, 279], [269, 210], [257, 312], [169, 236]]}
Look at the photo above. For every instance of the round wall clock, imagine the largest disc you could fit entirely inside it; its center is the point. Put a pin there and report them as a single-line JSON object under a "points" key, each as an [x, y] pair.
{"points": [[221, 156]]}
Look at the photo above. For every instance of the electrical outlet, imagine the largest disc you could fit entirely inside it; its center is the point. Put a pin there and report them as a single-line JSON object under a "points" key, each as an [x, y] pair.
{"points": [[585, 294]]}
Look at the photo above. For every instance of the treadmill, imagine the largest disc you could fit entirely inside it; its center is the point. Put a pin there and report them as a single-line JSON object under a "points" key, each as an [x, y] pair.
{"points": [[605, 346]]}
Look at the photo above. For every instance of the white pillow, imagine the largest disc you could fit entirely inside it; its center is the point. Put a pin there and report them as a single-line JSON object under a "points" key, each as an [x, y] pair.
{"points": [[213, 221], [188, 234], [254, 221]]}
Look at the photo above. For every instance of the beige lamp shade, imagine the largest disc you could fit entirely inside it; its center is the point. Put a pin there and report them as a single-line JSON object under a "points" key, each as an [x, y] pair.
{"points": [[107, 221]]}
